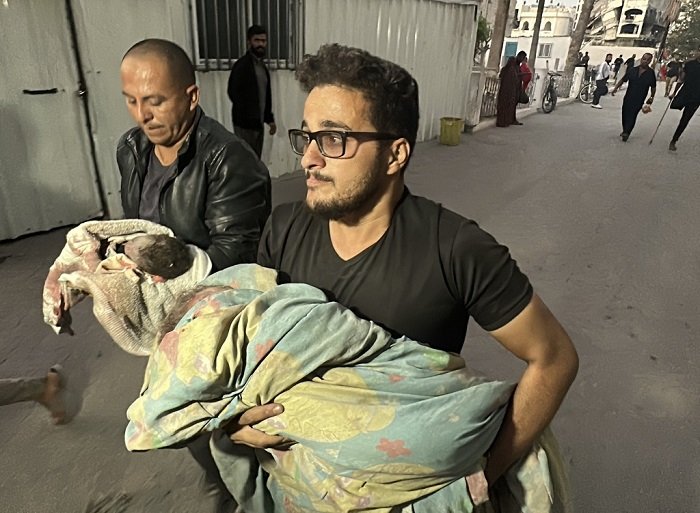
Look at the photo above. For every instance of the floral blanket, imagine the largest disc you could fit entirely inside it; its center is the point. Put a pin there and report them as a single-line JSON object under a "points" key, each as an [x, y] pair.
{"points": [[380, 423]]}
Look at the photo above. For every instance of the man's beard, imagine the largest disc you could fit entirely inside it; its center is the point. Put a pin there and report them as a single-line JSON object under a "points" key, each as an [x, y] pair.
{"points": [[351, 202], [258, 51]]}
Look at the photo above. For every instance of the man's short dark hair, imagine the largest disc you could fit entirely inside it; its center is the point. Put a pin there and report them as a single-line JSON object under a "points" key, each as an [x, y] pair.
{"points": [[179, 63], [255, 30], [390, 90], [164, 256]]}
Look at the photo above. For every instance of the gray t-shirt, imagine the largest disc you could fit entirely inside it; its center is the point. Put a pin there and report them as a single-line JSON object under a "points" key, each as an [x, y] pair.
{"points": [[261, 78], [157, 175]]}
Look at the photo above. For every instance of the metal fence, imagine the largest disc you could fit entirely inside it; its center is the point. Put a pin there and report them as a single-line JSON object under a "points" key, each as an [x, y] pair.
{"points": [[490, 97], [220, 31], [564, 85], [530, 91]]}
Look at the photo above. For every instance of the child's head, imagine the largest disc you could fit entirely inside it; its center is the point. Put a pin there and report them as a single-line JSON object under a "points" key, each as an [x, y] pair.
{"points": [[160, 255]]}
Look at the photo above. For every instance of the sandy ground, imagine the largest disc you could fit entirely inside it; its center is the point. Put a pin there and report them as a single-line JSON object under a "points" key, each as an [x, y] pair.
{"points": [[606, 231]]}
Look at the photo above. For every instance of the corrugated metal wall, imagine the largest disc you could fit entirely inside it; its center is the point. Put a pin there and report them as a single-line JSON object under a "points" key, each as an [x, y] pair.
{"points": [[433, 39]]}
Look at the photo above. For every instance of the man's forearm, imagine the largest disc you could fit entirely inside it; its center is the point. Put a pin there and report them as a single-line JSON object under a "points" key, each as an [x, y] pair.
{"points": [[533, 406]]}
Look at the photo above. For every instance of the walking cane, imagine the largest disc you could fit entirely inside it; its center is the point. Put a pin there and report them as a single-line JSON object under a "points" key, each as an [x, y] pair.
{"points": [[657, 126]]}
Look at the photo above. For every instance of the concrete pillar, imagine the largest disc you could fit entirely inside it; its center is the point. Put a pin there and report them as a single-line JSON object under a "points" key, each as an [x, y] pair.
{"points": [[577, 81], [474, 98]]}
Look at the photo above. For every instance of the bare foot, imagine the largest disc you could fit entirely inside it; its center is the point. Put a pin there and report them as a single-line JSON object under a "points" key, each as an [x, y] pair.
{"points": [[52, 397]]}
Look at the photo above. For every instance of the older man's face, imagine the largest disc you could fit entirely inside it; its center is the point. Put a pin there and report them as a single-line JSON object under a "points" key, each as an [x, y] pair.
{"points": [[161, 107]]}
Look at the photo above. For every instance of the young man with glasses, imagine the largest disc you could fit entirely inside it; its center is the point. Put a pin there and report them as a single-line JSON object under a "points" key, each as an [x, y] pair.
{"points": [[400, 260]]}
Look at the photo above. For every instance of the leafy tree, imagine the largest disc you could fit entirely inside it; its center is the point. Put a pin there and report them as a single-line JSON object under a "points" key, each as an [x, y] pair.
{"points": [[684, 36], [483, 38]]}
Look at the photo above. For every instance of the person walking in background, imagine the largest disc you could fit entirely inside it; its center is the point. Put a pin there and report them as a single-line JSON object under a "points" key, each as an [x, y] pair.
{"points": [[617, 64], [629, 63], [46, 390], [640, 80], [673, 70], [601, 81], [688, 96], [250, 92], [509, 91], [584, 61]]}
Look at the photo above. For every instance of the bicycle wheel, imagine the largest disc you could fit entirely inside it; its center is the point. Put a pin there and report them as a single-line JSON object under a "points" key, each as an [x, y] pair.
{"points": [[549, 101], [586, 92]]}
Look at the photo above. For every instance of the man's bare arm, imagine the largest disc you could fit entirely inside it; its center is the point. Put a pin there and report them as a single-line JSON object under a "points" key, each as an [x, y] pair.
{"points": [[536, 337]]}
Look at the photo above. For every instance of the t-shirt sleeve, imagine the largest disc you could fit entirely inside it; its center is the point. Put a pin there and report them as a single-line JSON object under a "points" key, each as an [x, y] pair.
{"points": [[274, 235], [489, 280]]}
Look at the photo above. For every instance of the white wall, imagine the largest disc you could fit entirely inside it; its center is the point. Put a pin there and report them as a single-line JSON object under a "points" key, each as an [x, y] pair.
{"points": [[560, 47]]}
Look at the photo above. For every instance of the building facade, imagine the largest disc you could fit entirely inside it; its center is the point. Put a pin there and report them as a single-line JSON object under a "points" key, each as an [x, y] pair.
{"points": [[554, 39], [639, 23]]}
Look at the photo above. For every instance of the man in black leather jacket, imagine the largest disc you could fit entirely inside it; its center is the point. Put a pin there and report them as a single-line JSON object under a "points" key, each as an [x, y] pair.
{"points": [[183, 169]]}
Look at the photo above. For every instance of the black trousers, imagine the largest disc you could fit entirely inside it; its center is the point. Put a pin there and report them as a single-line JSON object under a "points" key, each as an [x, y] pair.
{"points": [[599, 88], [630, 110], [688, 112]]}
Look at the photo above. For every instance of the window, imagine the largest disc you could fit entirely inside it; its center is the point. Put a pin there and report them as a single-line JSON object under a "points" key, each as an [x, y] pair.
{"points": [[544, 50], [526, 26], [548, 26], [220, 31]]}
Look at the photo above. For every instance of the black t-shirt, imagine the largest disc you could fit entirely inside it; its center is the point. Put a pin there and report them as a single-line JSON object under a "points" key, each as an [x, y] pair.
{"points": [[156, 176], [691, 81], [429, 272], [639, 84], [618, 63], [672, 69]]}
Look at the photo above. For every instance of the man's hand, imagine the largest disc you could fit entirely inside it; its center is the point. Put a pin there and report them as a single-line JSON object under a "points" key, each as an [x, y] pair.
{"points": [[650, 100], [241, 432], [273, 128], [612, 93]]}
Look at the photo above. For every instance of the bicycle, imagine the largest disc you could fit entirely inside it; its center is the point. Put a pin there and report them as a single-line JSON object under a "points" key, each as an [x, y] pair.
{"points": [[585, 94], [549, 100]]}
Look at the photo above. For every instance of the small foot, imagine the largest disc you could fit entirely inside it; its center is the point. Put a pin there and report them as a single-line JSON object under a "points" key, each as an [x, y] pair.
{"points": [[52, 397], [624, 136], [672, 146], [517, 123], [597, 106]]}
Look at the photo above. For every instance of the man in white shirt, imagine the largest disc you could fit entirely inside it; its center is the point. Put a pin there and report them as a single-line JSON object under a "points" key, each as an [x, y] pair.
{"points": [[601, 81]]}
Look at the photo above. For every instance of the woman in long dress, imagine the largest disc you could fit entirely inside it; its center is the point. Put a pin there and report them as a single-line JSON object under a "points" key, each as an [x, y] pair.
{"points": [[509, 91]]}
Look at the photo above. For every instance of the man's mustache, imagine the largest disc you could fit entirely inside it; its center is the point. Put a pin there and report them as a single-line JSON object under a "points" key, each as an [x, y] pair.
{"points": [[317, 176]]}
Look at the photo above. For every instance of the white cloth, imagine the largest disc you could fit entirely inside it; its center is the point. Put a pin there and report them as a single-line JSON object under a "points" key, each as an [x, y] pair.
{"points": [[603, 71]]}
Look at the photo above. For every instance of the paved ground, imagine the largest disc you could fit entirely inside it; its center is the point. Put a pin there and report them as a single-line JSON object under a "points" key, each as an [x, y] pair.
{"points": [[607, 232]]}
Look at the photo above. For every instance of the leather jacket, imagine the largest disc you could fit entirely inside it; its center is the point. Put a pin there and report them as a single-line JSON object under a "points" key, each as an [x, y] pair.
{"points": [[219, 197]]}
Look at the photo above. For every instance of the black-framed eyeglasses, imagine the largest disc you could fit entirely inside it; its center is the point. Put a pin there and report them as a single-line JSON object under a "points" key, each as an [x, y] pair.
{"points": [[332, 143]]}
